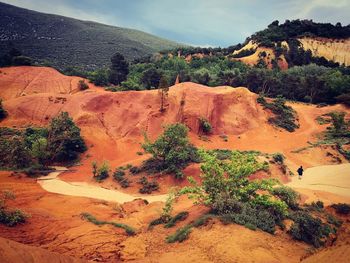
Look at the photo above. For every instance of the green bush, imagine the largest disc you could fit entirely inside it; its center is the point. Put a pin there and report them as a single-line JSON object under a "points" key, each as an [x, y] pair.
{"points": [[10, 217], [278, 158], [171, 151], [129, 230], [180, 235], [204, 125], [309, 229], [148, 187], [285, 116], [3, 112], [256, 217], [179, 217], [118, 175], [64, 141], [341, 208], [315, 206], [135, 170], [82, 85], [288, 195], [100, 172], [334, 221]]}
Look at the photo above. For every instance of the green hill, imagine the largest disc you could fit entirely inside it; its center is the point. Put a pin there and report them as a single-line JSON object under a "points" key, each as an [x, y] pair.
{"points": [[64, 41]]}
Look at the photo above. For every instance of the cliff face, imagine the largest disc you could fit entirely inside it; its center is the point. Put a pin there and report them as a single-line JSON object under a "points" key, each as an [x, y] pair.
{"points": [[337, 50]]}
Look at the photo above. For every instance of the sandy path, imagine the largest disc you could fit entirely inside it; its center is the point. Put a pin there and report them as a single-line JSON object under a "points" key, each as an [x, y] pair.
{"points": [[329, 178], [53, 184]]}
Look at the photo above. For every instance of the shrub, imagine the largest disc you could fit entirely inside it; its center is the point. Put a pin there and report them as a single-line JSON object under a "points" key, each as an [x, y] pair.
{"points": [[3, 112], [171, 151], [222, 154], [118, 175], [309, 229], [148, 187], [179, 217], [10, 217], [334, 221], [285, 116], [135, 170], [315, 206], [100, 172], [278, 158], [204, 125], [82, 85], [180, 235], [129, 230], [288, 195], [64, 139], [341, 208], [253, 216]]}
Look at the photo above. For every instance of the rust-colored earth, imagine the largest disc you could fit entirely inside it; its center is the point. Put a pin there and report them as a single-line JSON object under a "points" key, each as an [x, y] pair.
{"points": [[113, 125]]}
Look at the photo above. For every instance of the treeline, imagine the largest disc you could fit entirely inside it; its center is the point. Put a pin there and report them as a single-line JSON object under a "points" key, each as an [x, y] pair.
{"points": [[276, 32], [308, 83]]}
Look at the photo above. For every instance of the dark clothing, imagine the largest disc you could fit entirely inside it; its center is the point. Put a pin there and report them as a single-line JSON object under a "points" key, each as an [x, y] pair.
{"points": [[300, 171]]}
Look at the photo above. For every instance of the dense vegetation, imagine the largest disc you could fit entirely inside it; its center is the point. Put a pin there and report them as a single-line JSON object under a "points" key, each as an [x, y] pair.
{"points": [[297, 28], [264, 204], [307, 83], [62, 42], [33, 148]]}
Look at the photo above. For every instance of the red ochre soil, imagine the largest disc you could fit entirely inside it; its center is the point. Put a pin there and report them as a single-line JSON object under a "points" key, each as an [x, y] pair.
{"points": [[113, 124]]}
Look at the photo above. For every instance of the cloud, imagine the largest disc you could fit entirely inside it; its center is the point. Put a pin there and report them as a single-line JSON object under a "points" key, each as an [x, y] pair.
{"points": [[202, 23]]}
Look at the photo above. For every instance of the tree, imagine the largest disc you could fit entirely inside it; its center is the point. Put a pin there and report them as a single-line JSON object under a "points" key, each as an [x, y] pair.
{"points": [[150, 78], [172, 150], [3, 112], [64, 140], [19, 155], [119, 69], [163, 89]]}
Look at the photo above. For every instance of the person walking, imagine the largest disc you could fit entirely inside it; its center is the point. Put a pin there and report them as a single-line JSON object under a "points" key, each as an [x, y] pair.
{"points": [[300, 172]]}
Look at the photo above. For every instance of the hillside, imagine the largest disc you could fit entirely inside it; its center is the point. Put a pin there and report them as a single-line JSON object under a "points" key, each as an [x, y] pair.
{"points": [[63, 41], [112, 125]]}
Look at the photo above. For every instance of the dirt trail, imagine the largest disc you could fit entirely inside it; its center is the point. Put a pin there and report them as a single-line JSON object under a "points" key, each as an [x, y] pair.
{"points": [[53, 184], [329, 178]]}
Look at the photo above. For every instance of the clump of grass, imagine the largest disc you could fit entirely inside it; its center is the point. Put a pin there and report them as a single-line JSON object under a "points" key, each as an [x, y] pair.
{"points": [[128, 229], [182, 233], [179, 217]]}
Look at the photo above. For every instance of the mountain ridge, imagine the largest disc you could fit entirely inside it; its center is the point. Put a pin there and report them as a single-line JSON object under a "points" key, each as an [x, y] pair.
{"points": [[64, 42]]}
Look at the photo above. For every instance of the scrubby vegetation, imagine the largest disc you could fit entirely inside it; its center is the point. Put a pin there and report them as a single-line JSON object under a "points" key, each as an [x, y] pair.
{"points": [[119, 176], [342, 208], [3, 112], [128, 229], [309, 229], [33, 149], [147, 186], [285, 116], [171, 151], [204, 126], [82, 85], [10, 217], [100, 172], [256, 204]]}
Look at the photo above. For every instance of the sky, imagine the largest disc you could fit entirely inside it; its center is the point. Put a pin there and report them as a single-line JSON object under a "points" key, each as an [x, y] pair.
{"points": [[195, 22]]}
